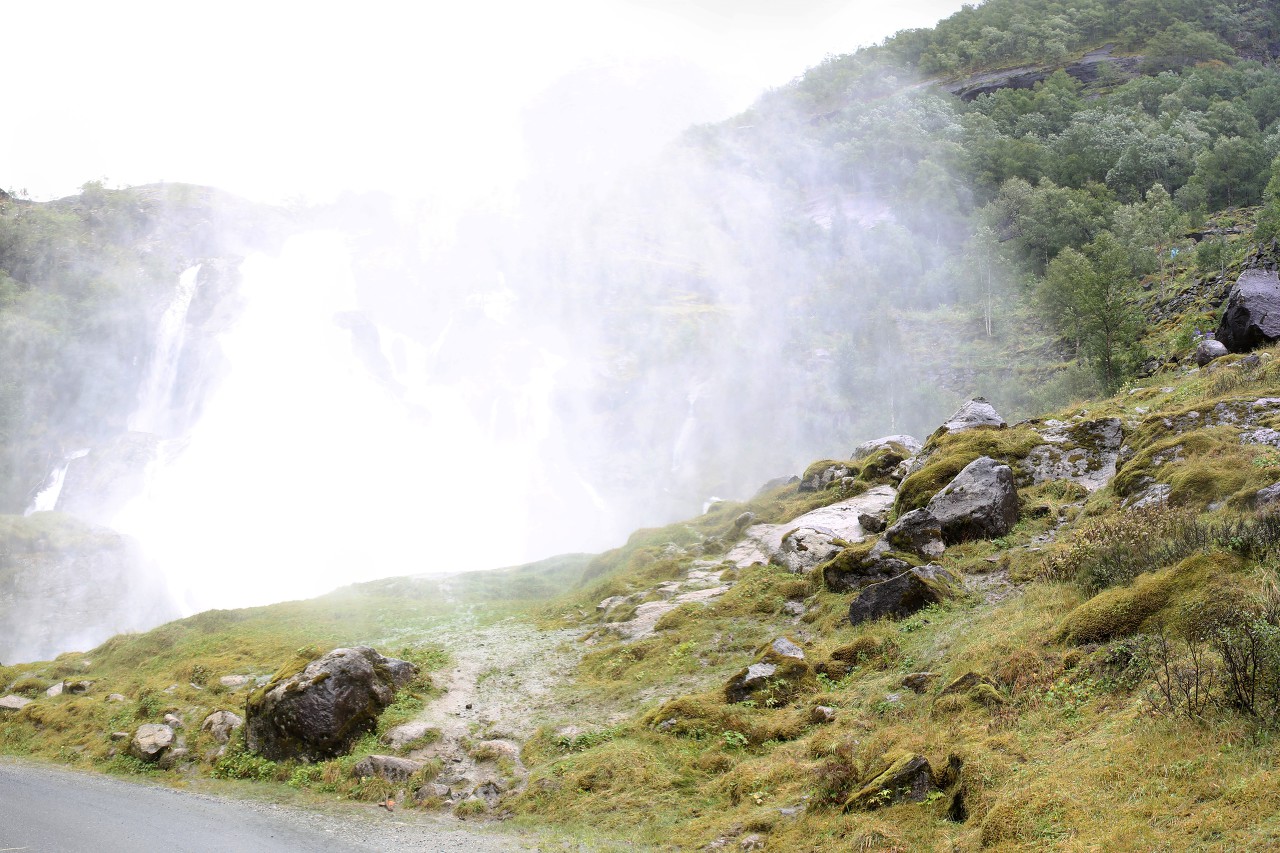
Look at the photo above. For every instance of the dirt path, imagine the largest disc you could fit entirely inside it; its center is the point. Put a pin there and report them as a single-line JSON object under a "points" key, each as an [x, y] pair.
{"points": [[500, 689]]}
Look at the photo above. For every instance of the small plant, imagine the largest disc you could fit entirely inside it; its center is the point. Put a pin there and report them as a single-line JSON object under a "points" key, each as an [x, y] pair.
{"points": [[733, 740]]}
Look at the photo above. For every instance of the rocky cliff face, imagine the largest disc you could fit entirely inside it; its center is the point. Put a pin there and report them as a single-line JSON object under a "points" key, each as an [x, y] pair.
{"points": [[66, 584]]}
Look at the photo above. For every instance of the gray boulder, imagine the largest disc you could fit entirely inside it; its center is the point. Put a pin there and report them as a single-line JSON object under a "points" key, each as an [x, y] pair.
{"points": [[150, 742], [389, 767], [221, 724], [14, 703], [806, 547], [320, 712], [742, 686], [917, 532], [973, 414], [1209, 349], [850, 571], [910, 443], [907, 778], [980, 503], [818, 479], [1252, 315], [904, 594]]}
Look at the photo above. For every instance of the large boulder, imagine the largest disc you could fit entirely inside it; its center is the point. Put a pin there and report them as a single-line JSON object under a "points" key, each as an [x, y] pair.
{"points": [[14, 703], [854, 568], [907, 778], [973, 414], [917, 532], [151, 741], [903, 594], [1208, 350], [908, 443], [803, 548], [1252, 315], [980, 503], [319, 712]]}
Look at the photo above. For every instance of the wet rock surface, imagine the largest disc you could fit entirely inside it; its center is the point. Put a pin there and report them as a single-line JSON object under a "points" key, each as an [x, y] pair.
{"points": [[980, 503], [319, 712], [1252, 315]]}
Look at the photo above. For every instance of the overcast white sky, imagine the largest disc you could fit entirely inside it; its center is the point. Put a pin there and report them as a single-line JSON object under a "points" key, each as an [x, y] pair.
{"points": [[275, 99]]}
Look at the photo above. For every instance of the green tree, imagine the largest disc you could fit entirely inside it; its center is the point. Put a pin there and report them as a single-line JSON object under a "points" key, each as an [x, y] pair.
{"points": [[1086, 293], [1269, 217]]}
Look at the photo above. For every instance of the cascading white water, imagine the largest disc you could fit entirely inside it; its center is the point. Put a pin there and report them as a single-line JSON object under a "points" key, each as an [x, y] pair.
{"points": [[47, 498], [310, 467], [155, 396]]}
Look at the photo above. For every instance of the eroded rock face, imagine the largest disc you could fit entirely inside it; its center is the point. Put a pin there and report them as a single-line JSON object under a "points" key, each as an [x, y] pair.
{"points": [[903, 594], [806, 547], [980, 503], [1084, 452], [1252, 315], [320, 712]]}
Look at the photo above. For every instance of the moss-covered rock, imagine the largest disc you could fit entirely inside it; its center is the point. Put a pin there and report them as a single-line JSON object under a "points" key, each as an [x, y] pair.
{"points": [[1180, 597], [946, 455], [904, 594]]}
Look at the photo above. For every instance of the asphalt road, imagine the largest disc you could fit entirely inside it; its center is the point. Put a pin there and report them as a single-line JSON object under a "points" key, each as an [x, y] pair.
{"points": [[43, 810]]}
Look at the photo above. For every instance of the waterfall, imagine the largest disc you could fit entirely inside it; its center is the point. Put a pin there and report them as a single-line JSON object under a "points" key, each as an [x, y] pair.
{"points": [[155, 396], [47, 498], [336, 450]]}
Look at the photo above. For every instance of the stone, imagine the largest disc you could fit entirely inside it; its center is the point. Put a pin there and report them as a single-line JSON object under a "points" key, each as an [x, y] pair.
{"points": [[762, 543], [1267, 496], [611, 602], [388, 767], [794, 608], [150, 741], [1085, 452], [221, 724], [823, 714], [173, 721], [14, 703], [980, 503], [919, 682], [1208, 350], [233, 682], [787, 649], [917, 532], [119, 736], [973, 414], [804, 548], [906, 778], [909, 443], [754, 841], [320, 712], [965, 683], [77, 688], [903, 595], [116, 697], [1252, 315], [871, 523], [849, 572], [432, 791], [743, 521], [742, 686], [819, 480], [55, 690], [171, 758]]}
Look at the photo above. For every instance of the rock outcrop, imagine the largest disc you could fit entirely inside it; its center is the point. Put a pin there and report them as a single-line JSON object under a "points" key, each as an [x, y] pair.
{"points": [[980, 503], [903, 594], [389, 767], [1252, 315], [762, 543], [319, 712]]}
